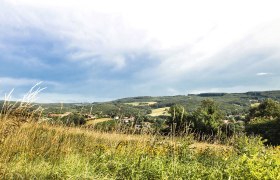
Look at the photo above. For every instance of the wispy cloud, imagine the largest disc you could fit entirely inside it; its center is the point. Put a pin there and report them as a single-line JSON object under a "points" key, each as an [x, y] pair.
{"points": [[137, 48], [17, 81], [263, 74]]}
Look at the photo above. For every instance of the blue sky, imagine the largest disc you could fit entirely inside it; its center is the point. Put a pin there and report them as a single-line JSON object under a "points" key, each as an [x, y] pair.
{"points": [[89, 51]]}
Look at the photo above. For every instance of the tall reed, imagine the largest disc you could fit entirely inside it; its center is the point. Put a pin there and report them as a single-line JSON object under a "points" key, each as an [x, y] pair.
{"points": [[14, 113]]}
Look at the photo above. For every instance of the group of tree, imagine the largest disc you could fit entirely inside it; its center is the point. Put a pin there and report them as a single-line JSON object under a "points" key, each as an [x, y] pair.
{"points": [[263, 119], [74, 119], [207, 118]]}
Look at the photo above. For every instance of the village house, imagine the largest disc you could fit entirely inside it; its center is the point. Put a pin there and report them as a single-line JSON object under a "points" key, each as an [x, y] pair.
{"points": [[128, 119]]}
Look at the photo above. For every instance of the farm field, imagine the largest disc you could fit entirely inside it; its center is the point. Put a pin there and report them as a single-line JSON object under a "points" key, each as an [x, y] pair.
{"points": [[141, 103], [95, 121], [160, 111]]}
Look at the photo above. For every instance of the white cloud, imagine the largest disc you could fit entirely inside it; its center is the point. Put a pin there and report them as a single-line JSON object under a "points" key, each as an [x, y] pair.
{"points": [[200, 29], [186, 38], [89, 32], [18, 82], [15, 82], [263, 74]]}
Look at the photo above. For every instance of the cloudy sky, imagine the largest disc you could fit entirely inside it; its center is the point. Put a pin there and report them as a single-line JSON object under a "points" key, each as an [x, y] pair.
{"points": [[92, 50]]}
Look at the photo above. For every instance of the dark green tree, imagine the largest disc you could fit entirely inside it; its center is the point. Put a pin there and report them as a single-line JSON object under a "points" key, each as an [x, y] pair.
{"points": [[207, 118], [267, 109], [264, 120]]}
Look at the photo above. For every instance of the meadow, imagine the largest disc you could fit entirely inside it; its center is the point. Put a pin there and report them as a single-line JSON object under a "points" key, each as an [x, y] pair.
{"points": [[34, 149], [42, 151]]}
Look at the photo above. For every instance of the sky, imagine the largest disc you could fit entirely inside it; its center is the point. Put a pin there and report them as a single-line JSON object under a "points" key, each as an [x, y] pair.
{"points": [[92, 50]]}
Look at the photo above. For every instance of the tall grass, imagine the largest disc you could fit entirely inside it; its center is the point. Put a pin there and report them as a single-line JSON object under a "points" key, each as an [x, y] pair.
{"points": [[14, 113], [42, 151]]}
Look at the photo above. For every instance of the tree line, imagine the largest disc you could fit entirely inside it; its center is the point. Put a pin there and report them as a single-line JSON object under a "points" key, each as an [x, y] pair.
{"points": [[208, 118]]}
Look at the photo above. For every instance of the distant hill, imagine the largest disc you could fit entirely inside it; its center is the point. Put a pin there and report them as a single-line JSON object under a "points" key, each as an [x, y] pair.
{"points": [[231, 103]]}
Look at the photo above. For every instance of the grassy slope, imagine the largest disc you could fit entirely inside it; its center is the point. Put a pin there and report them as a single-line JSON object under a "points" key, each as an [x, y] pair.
{"points": [[42, 151]]}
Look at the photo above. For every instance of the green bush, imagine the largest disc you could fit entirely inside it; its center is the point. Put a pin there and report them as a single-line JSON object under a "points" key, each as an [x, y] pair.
{"points": [[73, 119], [264, 120], [207, 117], [106, 126], [267, 109], [233, 127], [178, 120], [268, 129]]}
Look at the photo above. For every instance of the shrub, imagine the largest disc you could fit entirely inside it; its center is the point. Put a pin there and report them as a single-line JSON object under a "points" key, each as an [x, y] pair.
{"points": [[268, 129], [73, 119], [207, 117], [233, 127], [106, 126], [264, 120], [178, 120]]}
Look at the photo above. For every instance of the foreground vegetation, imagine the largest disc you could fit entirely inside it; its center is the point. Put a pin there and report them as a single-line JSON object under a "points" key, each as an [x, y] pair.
{"points": [[221, 114], [34, 149], [50, 152]]}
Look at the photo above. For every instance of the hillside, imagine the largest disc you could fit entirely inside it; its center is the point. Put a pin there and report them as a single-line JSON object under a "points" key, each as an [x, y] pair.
{"points": [[231, 103], [32, 147]]}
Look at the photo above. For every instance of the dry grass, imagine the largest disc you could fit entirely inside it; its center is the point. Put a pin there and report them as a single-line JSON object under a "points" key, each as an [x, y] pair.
{"points": [[14, 114], [95, 121], [45, 151], [160, 111], [141, 103], [42, 151]]}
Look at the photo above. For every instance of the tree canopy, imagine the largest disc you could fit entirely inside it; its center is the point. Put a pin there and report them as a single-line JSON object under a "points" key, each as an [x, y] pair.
{"points": [[267, 109], [207, 117], [264, 120]]}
